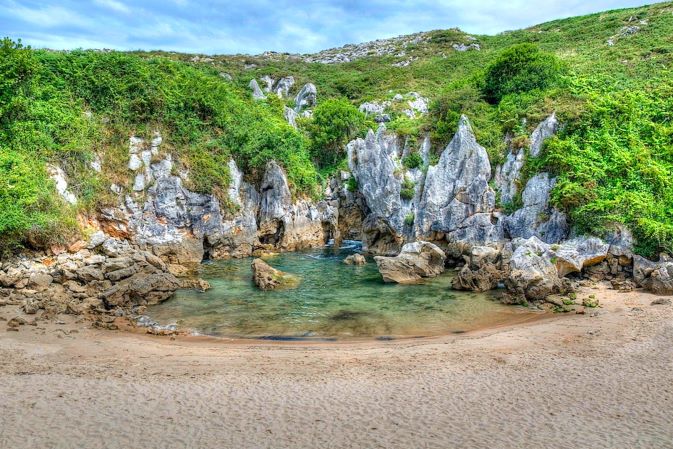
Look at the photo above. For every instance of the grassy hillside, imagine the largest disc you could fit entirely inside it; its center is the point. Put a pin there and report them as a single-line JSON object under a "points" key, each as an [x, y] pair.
{"points": [[614, 157]]}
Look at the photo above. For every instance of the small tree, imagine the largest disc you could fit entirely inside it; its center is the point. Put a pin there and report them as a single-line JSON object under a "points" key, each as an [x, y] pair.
{"points": [[520, 68], [334, 123]]}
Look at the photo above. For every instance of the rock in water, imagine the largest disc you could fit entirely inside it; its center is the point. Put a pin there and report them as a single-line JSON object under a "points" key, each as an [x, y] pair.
{"points": [[416, 261], [355, 259], [268, 278]]}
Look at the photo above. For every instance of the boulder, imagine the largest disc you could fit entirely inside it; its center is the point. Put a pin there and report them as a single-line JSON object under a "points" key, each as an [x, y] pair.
{"points": [[355, 259], [417, 260], [482, 271], [268, 278], [544, 130], [656, 277], [283, 86], [531, 273], [579, 253]]}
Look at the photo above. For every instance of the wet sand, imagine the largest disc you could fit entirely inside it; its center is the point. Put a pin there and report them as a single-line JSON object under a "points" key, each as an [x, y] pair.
{"points": [[568, 381]]}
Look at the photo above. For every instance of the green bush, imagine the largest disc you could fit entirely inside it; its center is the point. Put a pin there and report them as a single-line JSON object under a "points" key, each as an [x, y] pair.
{"points": [[521, 68], [335, 122], [412, 160], [409, 219], [407, 191]]}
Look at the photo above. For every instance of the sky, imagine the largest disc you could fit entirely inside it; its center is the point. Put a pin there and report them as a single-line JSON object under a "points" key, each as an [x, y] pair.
{"points": [[255, 26]]}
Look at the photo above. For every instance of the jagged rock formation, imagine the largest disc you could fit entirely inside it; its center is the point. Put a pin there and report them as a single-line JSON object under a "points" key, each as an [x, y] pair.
{"points": [[306, 97], [456, 191], [656, 277], [536, 217], [257, 93], [416, 261]]}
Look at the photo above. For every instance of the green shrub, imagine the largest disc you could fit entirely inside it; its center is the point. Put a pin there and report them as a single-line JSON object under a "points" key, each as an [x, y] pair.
{"points": [[521, 68], [409, 219], [412, 160], [335, 122], [352, 184], [407, 191]]}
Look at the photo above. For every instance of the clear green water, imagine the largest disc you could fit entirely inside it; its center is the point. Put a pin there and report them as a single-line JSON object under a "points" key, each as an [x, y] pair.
{"points": [[333, 301]]}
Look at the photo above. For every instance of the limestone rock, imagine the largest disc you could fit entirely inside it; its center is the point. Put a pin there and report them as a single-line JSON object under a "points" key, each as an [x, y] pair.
{"points": [[544, 130], [531, 272], [306, 97], [283, 86], [268, 278], [58, 176], [482, 271], [291, 116], [457, 187], [416, 261], [257, 93], [656, 277], [579, 253], [536, 217], [355, 259]]}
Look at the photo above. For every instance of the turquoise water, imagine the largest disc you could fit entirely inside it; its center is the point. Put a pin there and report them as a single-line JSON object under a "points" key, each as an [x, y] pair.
{"points": [[333, 301]]}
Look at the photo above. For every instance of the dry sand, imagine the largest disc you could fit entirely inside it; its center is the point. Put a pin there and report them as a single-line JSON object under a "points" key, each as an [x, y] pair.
{"points": [[571, 381]]}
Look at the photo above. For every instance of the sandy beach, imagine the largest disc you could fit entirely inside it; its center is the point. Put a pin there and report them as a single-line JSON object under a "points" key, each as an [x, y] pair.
{"points": [[566, 381]]}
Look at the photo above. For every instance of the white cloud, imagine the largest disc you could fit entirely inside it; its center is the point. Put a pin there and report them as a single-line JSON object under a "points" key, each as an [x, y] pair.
{"points": [[113, 5]]}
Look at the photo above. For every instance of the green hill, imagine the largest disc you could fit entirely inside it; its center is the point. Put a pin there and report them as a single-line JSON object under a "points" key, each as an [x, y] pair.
{"points": [[612, 89]]}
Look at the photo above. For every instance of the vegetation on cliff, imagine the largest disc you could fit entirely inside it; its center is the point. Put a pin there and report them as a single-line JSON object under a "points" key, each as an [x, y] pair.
{"points": [[607, 76]]}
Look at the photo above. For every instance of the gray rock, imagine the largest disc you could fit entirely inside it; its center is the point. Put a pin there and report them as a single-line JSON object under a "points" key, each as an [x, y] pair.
{"points": [[96, 239], [457, 187], [89, 274], [544, 130], [531, 272], [416, 261], [135, 163], [58, 176], [536, 217], [257, 93], [656, 277], [306, 97], [268, 83], [290, 116], [507, 175], [40, 281], [283, 86], [579, 253]]}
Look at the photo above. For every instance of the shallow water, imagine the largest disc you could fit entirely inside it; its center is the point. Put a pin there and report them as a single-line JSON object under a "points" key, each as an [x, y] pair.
{"points": [[333, 301]]}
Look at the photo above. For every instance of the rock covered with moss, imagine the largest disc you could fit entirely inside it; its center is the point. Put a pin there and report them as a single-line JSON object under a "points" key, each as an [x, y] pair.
{"points": [[268, 278]]}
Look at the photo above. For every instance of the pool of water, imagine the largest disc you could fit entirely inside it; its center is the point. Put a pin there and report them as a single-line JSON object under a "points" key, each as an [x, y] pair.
{"points": [[333, 301]]}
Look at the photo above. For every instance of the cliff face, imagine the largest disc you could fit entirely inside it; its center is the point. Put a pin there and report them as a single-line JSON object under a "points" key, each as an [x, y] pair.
{"points": [[451, 203]]}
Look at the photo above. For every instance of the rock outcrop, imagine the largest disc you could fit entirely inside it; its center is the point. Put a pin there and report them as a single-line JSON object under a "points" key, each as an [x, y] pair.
{"points": [[111, 275], [457, 189], [306, 97], [484, 269], [536, 217], [268, 278], [579, 253], [257, 93], [417, 260]]}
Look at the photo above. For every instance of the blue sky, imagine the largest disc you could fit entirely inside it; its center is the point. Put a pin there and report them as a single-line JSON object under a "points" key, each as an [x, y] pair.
{"points": [[253, 26]]}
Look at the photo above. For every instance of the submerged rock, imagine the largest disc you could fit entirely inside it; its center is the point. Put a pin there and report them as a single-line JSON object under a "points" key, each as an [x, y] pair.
{"points": [[416, 261], [268, 278], [355, 259]]}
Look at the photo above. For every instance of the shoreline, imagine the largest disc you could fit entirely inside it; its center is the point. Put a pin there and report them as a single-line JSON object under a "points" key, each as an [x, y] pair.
{"points": [[569, 381]]}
